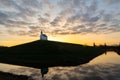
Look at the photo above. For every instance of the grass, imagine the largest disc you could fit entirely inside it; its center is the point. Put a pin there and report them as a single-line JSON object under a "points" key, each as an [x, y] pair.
{"points": [[48, 53]]}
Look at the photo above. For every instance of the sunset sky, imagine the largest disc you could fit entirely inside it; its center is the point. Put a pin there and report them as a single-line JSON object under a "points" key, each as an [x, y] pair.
{"points": [[73, 21]]}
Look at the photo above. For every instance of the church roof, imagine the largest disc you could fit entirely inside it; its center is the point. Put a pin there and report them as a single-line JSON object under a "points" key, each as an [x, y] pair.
{"points": [[44, 35]]}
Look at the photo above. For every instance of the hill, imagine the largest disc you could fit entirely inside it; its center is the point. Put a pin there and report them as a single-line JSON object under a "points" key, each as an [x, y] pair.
{"points": [[40, 54]]}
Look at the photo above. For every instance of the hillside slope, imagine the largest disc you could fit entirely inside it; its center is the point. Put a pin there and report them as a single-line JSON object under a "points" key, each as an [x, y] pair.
{"points": [[49, 53]]}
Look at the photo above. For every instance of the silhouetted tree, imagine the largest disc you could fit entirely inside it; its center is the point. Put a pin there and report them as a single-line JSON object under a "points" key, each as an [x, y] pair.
{"points": [[94, 44]]}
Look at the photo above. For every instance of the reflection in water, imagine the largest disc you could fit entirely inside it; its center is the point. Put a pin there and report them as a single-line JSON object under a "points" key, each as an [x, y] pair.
{"points": [[86, 72], [7, 67], [104, 67], [109, 57]]}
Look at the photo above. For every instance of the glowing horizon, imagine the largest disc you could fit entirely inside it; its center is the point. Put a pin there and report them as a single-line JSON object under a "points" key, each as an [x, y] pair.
{"points": [[88, 39]]}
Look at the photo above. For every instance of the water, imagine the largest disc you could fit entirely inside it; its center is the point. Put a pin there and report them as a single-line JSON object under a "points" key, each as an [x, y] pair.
{"points": [[109, 57], [103, 67]]}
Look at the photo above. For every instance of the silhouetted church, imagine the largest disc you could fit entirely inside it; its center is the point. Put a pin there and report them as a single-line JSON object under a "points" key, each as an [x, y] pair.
{"points": [[43, 36]]}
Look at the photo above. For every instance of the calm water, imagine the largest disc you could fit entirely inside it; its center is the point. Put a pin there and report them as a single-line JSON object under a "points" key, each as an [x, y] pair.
{"points": [[104, 67]]}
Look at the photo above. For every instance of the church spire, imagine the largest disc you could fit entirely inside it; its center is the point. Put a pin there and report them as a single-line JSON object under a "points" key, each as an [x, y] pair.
{"points": [[41, 32]]}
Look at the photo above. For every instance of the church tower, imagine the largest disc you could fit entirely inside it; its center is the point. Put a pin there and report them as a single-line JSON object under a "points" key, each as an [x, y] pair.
{"points": [[43, 36]]}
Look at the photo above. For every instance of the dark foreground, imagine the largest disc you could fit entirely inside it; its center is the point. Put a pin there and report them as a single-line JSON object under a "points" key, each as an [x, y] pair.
{"points": [[41, 54], [44, 54], [10, 76]]}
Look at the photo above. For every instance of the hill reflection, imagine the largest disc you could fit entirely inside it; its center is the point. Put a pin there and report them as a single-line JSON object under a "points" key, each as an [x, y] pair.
{"points": [[86, 72], [103, 67]]}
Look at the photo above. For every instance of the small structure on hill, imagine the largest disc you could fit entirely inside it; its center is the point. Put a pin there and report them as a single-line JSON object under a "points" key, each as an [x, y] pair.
{"points": [[94, 44], [43, 36]]}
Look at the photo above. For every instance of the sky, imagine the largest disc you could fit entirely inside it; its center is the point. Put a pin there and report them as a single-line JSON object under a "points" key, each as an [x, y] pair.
{"points": [[73, 21]]}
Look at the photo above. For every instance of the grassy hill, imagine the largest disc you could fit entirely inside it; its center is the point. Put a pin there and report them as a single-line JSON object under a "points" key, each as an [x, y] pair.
{"points": [[49, 53]]}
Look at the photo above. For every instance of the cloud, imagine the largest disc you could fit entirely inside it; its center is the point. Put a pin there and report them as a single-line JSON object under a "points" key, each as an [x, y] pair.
{"points": [[112, 2], [7, 4], [43, 20], [47, 15], [3, 17], [58, 21], [60, 17], [91, 72], [82, 72]]}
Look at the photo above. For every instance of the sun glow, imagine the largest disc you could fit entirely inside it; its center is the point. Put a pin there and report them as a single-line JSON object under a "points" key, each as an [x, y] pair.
{"points": [[11, 40], [86, 39]]}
